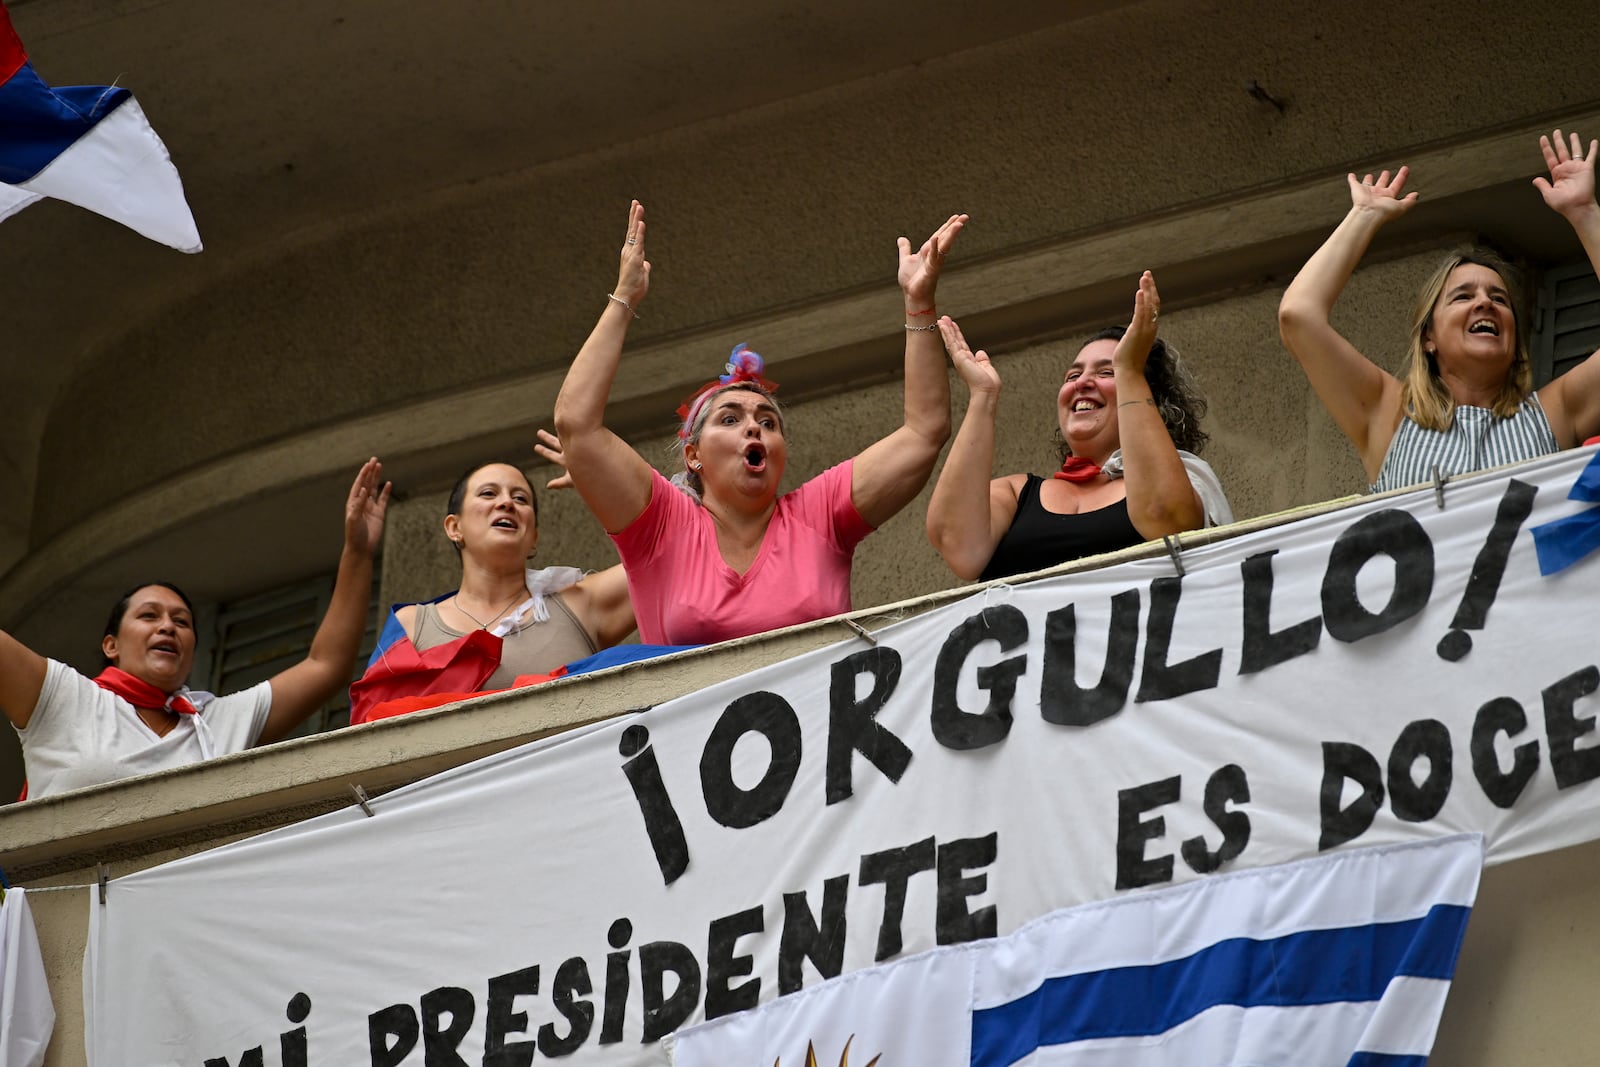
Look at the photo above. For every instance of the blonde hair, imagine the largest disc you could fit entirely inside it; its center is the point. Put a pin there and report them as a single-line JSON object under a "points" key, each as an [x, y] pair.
{"points": [[1423, 396]]}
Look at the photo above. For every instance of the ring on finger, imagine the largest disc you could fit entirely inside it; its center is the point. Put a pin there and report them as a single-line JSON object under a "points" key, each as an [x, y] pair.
{"points": [[1155, 313]]}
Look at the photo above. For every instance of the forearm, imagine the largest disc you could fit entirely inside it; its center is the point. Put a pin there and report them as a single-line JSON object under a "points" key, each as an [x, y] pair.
{"points": [[1161, 499], [959, 525], [338, 639], [1311, 296], [1585, 223], [927, 396], [581, 404]]}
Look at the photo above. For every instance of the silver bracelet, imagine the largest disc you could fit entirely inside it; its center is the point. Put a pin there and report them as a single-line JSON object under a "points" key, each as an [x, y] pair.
{"points": [[625, 305], [930, 326]]}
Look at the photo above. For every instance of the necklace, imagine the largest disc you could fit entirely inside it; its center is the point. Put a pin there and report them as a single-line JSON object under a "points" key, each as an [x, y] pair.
{"points": [[485, 625], [164, 723]]}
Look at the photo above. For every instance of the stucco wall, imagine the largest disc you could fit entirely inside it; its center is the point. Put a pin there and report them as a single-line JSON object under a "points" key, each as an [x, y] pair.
{"points": [[1272, 444], [1112, 120]]}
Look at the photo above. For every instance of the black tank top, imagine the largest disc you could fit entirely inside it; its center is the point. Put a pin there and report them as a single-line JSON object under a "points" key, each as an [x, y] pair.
{"points": [[1038, 538]]}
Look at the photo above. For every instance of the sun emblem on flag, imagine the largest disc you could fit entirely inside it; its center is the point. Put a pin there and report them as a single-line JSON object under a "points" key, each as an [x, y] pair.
{"points": [[844, 1055]]}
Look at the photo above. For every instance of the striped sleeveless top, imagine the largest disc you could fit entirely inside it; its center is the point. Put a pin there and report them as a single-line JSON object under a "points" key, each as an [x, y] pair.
{"points": [[1475, 441]]}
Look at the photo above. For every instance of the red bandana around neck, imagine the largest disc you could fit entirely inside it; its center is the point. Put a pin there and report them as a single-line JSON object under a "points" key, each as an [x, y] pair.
{"points": [[1078, 469], [140, 693]]}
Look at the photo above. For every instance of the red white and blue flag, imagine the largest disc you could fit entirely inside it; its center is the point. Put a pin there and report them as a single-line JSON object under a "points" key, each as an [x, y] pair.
{"points": [[1343, 960], [89, 145]]}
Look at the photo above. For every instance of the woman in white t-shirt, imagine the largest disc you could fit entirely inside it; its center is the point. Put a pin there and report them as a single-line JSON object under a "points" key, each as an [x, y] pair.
{"points": [[137, 717]]}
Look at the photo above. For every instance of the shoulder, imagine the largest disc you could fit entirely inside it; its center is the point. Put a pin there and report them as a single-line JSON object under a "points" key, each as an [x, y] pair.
{"points": [[64, 682], [831, 482], [65, 688], [258, 695], [668, 505], [599, 587], [234, 722], [827, 502], [408, 617], [825, 495], [1013, 483], [1005, 494]]}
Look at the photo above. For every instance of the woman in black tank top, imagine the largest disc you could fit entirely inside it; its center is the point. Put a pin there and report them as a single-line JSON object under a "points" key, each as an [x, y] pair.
{"points": [[1129, 416]]}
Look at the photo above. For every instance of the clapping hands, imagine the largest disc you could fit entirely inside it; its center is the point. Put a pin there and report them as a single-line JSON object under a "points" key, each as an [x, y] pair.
{"points": [[919, 270], [1133, 351], [973, 367]]}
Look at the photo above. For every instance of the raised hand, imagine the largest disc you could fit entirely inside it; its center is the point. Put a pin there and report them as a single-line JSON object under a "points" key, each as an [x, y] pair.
{"points": [[1570, 186], [549, 447], [633, 275], [1382, 195], [919, 270], [365, 508], [1133, 351], [973, 367]]}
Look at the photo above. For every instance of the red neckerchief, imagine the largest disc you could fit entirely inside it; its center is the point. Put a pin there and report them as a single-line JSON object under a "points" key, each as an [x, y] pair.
{"points": [[1078, 469], [140, 693]]}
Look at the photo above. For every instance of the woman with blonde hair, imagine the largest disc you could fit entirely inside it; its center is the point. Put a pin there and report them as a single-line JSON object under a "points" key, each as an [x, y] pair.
{"points": [[1465, 401]]}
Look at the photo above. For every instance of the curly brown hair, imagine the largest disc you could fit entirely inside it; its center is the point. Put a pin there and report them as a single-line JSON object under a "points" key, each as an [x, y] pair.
{"points": [[1176, 393]]}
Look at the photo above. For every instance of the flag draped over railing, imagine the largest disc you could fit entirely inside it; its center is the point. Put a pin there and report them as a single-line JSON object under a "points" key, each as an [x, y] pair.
{"points": [[1339, 961]]}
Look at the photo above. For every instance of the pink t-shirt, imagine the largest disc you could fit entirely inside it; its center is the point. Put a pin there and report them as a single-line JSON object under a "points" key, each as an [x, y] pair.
{"points": [[684, 593]]}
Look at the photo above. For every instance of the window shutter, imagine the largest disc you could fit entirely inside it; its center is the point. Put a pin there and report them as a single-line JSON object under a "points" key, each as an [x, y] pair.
{"points": [[256, 637], [1569, 320]]}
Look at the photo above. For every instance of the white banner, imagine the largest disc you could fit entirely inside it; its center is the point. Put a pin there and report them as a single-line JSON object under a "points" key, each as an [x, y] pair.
{"points": [[1385, 673]]}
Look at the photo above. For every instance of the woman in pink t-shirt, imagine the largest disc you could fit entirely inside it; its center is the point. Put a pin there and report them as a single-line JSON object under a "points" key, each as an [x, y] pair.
{"points": [[728, 555]]}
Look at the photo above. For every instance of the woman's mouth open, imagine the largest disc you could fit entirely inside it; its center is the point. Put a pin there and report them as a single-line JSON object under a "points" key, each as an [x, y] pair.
{"points": [[755, 459]]}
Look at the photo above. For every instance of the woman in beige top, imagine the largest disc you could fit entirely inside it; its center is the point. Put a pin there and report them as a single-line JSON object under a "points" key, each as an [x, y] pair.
{"points": [[547, 618]]}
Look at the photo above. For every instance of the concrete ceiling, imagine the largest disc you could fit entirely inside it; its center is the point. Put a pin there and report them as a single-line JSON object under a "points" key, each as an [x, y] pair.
{"points": [[293, 120], [298, 121]]}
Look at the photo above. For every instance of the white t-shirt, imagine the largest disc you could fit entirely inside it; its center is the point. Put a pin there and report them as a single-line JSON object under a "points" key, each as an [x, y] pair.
{"points": [[82, 735]]}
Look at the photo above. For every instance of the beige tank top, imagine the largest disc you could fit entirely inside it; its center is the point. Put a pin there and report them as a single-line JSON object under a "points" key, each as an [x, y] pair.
{"points": [[537, 648]]}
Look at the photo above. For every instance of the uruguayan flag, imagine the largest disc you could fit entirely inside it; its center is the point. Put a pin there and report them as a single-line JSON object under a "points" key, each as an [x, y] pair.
{"points": [[1344, 959]]}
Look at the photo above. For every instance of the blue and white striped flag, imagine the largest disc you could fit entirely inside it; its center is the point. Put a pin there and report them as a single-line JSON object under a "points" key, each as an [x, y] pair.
{"points": [[1344, 959]]}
